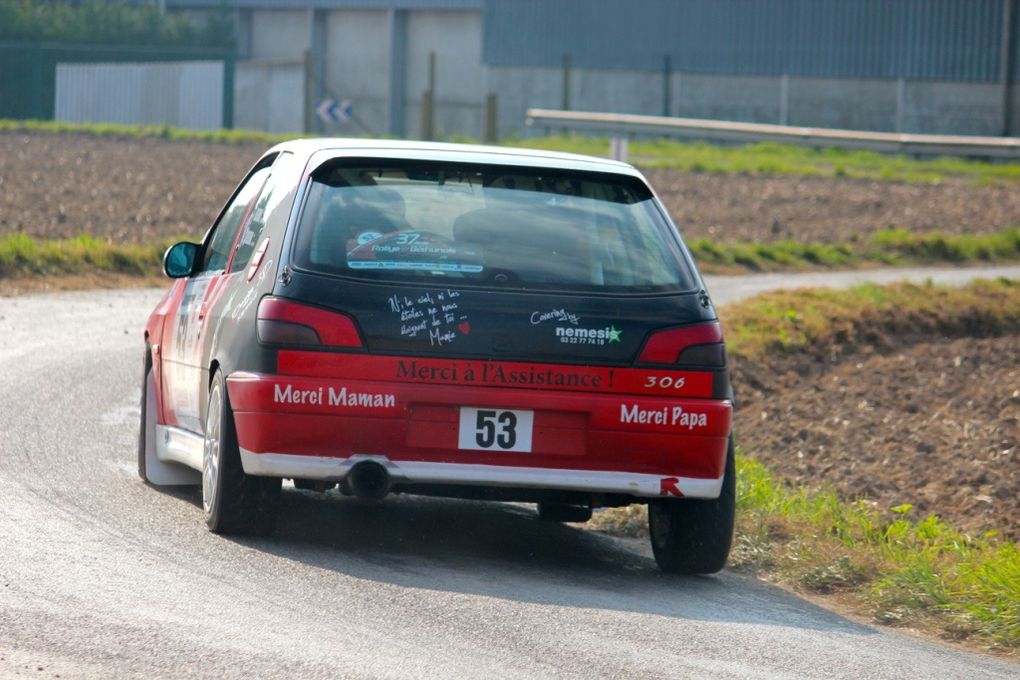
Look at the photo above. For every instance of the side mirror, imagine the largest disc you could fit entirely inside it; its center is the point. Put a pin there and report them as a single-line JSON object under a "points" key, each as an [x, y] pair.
{"points": [[179, 259]]}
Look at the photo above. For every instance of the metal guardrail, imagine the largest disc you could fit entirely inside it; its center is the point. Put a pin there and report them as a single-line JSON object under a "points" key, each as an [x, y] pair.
{"points": [[620, 125]]}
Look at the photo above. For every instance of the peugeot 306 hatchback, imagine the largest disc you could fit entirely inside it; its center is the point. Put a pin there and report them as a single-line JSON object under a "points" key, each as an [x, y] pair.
{"points": [[462, 321]]}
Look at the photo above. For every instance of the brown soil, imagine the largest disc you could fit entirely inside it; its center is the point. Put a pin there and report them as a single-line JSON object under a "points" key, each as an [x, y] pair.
{"points": [[935, 425], [762, 208], [124, 190], [140, 190]]}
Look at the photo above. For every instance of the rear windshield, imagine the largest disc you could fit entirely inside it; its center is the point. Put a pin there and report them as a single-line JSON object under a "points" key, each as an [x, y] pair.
{"points": [[497, 226]]}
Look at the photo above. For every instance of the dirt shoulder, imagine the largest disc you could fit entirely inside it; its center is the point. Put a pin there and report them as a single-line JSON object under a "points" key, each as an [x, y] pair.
{"points": [[935, 425]]}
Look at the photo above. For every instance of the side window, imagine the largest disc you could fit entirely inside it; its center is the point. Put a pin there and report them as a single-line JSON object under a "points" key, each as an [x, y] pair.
{"points": [[267, 201], [218, 248]]}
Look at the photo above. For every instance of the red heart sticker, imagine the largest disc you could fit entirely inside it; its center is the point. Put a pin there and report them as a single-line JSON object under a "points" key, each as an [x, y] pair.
{"points": [[464, 327]]}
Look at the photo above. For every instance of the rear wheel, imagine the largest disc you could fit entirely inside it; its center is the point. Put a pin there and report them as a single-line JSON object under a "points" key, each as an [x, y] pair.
{"points": [[693, 535], [234, 503], [559, 512]]}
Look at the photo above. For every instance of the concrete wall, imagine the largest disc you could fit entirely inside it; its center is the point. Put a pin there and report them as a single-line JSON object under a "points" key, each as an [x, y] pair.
{"points": [[357, 67], [843, 103], [269, 94], [953, 108], [359, 61], [927, 107], [741, 98], [518, 89], [456, 38], [278, 34]]}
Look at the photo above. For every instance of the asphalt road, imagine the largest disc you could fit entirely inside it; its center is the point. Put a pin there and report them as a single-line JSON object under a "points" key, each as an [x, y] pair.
{"points": [[101, 576]]}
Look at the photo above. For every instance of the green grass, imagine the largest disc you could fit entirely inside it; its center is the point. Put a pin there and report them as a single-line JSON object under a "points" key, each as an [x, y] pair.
{"points": [[142, 131], [770, 158], [779, 324], [23, 256], [922, 573], [765, 158], [888, 247], [905, 571]]}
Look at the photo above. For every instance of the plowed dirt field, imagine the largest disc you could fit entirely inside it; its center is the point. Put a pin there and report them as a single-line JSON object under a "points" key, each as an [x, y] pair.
{"points": [[140, 190]]}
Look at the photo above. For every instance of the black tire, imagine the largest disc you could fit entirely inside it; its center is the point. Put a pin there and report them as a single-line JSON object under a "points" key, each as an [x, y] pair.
{"points": [[692, 535], [234, 503], [558, 512], [142, 425]]}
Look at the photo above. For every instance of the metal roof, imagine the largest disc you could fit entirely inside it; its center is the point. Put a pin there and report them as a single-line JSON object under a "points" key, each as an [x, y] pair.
{"points": [[331, 4], [915, 39]]}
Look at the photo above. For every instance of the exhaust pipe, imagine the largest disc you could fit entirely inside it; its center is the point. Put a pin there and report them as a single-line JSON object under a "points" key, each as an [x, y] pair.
{"points": [[368, 481]]}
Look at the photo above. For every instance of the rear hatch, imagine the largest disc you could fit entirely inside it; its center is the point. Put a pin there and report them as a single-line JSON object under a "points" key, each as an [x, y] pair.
{"points": [[520, 268]]}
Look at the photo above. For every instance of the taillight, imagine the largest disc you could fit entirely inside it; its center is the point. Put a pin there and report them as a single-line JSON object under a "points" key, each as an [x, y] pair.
{"points": [[283, 322], [700, 345]]}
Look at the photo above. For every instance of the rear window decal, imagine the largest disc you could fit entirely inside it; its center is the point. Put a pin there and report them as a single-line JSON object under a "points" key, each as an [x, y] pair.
{"points": [[411, 251], [433, 315]]}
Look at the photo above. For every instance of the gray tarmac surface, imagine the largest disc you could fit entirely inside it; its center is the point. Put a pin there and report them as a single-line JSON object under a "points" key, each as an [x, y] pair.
{"points": [[102, 576]]}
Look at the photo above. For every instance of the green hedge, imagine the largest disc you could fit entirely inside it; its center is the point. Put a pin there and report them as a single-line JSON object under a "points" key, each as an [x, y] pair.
{"points": [[110, 23]]}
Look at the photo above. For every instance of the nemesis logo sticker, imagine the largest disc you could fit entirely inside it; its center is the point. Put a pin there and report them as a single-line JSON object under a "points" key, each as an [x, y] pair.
{"points": [[588, 336]]}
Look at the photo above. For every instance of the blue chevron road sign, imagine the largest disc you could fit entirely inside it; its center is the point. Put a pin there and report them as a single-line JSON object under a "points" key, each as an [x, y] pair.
{"points": [[333, 111]]}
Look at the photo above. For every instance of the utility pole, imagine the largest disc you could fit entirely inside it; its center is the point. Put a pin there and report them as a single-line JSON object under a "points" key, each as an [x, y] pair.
{"points": [[1006, 65]]}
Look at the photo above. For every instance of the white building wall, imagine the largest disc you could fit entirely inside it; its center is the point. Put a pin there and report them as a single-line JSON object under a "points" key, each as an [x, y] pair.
{"points": [[456, 38], [269, 94], [279, 34], [357, 67]]}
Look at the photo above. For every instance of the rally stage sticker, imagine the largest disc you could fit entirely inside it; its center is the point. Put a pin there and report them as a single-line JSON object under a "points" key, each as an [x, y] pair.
{"points": [[414, 251]]}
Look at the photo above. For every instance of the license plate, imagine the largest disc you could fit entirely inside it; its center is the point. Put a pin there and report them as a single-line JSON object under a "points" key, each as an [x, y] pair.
{"points": [[492, 429]]}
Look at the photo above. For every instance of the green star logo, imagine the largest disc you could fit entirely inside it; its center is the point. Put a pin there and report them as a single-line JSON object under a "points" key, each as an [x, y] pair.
{"points": [[614, 334]]}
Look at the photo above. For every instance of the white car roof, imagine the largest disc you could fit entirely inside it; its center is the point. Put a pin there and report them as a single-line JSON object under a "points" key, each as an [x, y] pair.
{"points": [[465, 153]]}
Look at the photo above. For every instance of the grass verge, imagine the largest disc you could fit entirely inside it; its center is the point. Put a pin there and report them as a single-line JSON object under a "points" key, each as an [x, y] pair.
{"points": [[765, 158], [771, 158], [22, 255], [922, 573], [143, 131], [820, 323], [884, 248]]}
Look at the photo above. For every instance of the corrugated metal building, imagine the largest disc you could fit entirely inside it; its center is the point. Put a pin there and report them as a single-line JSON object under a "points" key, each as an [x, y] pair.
{"points": [[910, 65], [913, 39]]}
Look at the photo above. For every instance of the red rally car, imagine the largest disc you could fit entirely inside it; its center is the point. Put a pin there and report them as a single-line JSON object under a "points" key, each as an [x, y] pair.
{"points": [[462, 321]]}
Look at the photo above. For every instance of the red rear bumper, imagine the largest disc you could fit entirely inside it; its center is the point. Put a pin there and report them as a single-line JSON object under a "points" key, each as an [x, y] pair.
{"points": [[309, 427]]}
